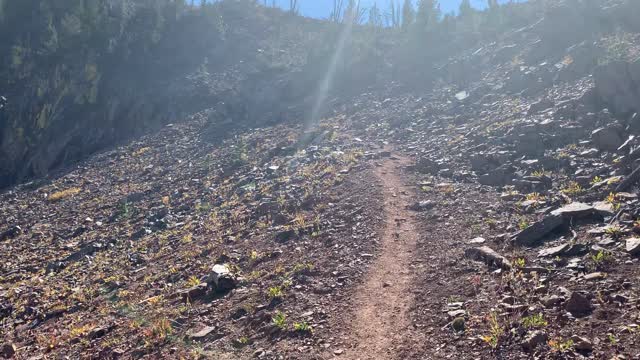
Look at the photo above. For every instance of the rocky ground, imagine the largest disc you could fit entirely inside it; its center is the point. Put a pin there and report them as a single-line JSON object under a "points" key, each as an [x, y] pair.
{"points": [[118, 257], [527, 201], [491, 218]]}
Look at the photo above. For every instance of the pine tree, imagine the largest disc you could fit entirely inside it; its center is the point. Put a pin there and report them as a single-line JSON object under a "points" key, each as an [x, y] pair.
{"points": [[408, 14], [423, 14], [428, 14], [465, 9], [467, 21], [493, 20], [448, 24]]}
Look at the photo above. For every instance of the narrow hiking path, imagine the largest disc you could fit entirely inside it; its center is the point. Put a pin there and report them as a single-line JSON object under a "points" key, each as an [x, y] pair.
{"points": [[382, 303]]}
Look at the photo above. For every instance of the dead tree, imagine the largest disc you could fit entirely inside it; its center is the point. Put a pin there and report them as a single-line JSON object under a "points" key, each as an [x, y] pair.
{"points": [[336, 13], [294, 6]]}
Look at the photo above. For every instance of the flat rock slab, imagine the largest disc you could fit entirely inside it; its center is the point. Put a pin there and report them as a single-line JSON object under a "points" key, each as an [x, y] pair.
{"points": [[553, 251], [201, 333], [532, 234], [478, 240], [608, 139], [595, 276], [581, 343], [575, 209], [604, 208], [566, 249], [457, 313], [633, 246]]}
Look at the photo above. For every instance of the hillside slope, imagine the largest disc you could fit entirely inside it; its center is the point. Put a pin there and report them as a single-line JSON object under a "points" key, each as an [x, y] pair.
{"points": [[85, 75], [491, 215]]}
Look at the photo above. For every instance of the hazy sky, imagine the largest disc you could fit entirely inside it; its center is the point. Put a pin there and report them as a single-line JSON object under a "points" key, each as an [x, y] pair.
{"points": [[322, 8]]}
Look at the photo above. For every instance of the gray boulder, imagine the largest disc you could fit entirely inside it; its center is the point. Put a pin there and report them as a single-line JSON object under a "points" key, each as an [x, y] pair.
{"points": [[616, 85], [534, 339], [581, 343], [633, 246], [574, 210], [531, 235], [566, 249], [633, 125], [221, 278], [607, 138], [498, 177], [578, 305]]}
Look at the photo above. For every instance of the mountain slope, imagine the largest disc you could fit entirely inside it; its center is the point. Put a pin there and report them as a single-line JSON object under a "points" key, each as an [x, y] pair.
{"points": [[491, 215], [85, 75]]}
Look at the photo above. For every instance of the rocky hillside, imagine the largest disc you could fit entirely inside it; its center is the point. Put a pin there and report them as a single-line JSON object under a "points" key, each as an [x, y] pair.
{"points": [[84, 75], [494, 214]]}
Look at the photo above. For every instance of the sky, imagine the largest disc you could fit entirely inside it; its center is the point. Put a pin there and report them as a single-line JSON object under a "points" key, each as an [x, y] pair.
{"points": [[322, 8]]}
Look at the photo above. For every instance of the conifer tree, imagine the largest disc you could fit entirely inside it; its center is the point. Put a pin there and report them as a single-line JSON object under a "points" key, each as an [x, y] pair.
{"points": [[465, 9], [427, 15]]}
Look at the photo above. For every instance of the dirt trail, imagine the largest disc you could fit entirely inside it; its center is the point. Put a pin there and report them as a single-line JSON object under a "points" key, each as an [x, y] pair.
{"points": [[381, 321]]}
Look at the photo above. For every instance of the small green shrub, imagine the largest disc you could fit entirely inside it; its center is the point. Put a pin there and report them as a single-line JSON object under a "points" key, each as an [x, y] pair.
{"points": [[279, 320], [534, 321], [302, 327]]}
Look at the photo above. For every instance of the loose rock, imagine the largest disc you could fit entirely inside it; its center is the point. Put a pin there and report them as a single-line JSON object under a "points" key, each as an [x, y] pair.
{"points": [[201, 333], [581, 344], [458, 324], [489, 256], [422, 205], [10, 233], [8, 350], [578, 305], [221, 278], [574, 210], [534, 339], [633, 246], [608, 139], [532, 234]]}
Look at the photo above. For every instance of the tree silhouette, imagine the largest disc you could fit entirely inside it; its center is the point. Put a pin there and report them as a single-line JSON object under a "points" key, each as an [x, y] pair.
{"points": [[428, 14], [408, 14], [375, 16], [465, 9], [294, 6]]}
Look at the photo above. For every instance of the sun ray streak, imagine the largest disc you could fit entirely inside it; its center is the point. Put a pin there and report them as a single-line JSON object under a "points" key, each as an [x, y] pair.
{"points": [[325, 84]]}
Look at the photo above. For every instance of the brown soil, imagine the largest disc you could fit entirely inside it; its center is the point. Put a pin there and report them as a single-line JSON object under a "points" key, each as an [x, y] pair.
{"points": [[383, 301]]}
